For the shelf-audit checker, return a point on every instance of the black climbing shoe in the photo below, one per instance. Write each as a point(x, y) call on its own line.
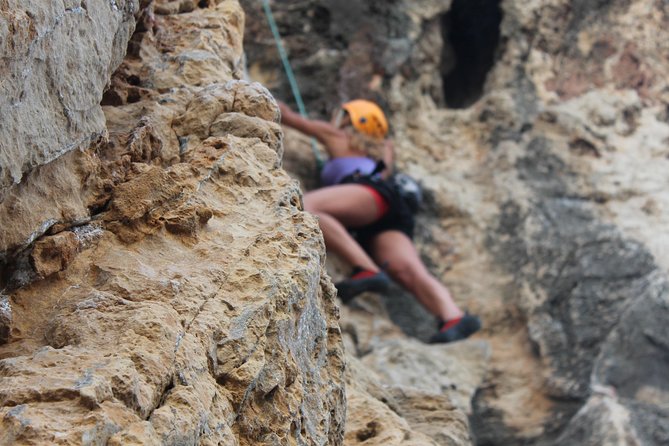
point(466, 327)
point(361, 281)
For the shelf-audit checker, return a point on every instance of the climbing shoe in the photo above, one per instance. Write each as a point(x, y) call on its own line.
point(458, 329)
point(360, 281)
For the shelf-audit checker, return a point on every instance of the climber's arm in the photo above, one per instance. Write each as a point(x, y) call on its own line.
point(326, 133)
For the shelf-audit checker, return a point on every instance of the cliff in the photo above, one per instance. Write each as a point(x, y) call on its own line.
point(175, 292)
point(539, 131)
point(161, 283)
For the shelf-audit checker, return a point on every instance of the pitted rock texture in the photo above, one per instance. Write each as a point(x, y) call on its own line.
point(189, 304)
point(401, 391)
point(546, 197)
point(58, 57)
point(163, 286)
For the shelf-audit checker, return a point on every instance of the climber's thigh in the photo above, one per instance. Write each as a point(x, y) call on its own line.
point(352, 204)
point(395, 250)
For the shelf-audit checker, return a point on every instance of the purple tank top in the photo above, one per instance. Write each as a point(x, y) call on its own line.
point(337, 169)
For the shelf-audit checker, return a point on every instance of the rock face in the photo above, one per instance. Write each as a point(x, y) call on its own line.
point(185, 300)
point(401, 391)
point(549, 177)
point(160, 283)
point(58, 58)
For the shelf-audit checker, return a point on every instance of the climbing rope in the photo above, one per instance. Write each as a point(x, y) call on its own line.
point(291, 77)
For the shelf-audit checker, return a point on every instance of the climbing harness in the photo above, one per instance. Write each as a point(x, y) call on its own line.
point(291, 77)
point(409, 189)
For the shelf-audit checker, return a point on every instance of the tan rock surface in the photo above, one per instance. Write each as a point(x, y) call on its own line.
point(434, 415)
point(192, 306)
point(546, 195)
point(70, 47)
point(162, 285)
point(381, 412)
point(400, 391)
point(455, 370)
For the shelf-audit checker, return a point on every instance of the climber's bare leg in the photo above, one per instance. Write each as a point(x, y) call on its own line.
point(339, 207)
point(406, 267)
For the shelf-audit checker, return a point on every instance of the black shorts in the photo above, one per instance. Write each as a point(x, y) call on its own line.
point(399, 216)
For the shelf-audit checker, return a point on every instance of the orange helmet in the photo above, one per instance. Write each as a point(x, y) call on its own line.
point(367, 118)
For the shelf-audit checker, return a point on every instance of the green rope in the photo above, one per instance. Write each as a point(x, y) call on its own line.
point(291, 77)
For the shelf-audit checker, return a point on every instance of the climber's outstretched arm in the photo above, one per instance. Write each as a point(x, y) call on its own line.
point(326, 133)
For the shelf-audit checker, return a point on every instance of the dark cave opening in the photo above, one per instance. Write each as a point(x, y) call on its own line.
point(470, 31)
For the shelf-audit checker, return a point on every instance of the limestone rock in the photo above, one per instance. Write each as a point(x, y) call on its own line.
point(55, 253)
point(196, 46)
point(28, 210)
point(367, 325)
point(188, 303)
point(384, 412)
point(206, 113)
point(161, 285)
point(546, 197)
point(71, 46)
point(455, 370)
point(400, 390)
point(434, 415)
point(371, 422)
point(602, 420)
point(59, 58)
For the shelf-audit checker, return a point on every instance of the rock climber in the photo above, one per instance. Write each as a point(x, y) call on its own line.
point(366, 219)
